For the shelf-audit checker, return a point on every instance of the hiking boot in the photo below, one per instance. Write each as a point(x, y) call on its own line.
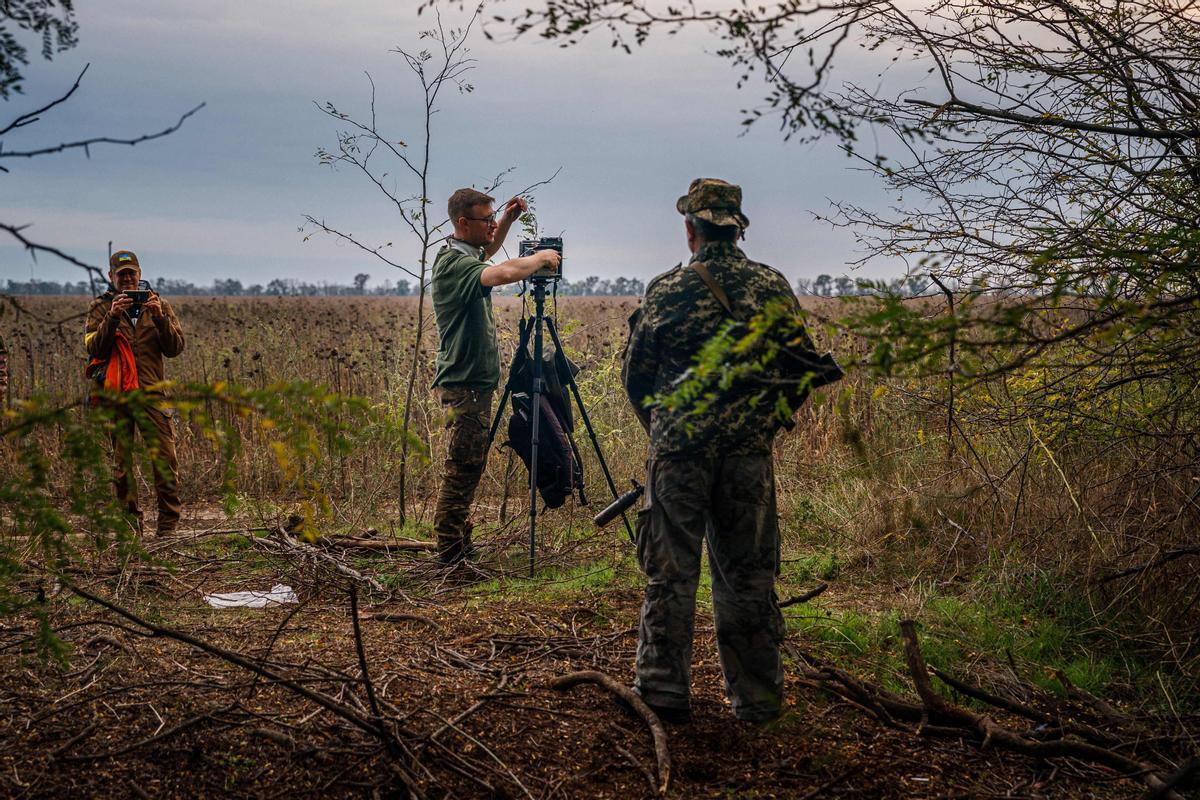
point(672, 714)
point(451, 552)
point(457, 553)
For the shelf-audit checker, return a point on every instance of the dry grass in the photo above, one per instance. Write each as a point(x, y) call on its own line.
point(991, 544)
point(866, 479)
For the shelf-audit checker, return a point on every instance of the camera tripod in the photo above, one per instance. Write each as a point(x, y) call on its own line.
point(533, 329)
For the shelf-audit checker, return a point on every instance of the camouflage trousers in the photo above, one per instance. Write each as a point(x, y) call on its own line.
point(730, 502)
point(468, 415)
point(157, 436)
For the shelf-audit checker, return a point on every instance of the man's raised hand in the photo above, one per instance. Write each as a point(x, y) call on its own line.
point(550, 258)
point(513, 209)
point(120, 305)
point(154, 306)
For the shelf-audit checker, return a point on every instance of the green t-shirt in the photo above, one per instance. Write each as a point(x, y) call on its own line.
point(467, 355)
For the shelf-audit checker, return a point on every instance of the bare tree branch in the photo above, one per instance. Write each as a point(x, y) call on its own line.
point(86, 144)
point(34, 248)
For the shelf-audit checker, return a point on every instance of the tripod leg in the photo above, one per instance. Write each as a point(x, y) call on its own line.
point(535, 409)
point(587, 422)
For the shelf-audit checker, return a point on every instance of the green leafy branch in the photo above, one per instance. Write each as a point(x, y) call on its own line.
point(760, 360)
point(56, 496)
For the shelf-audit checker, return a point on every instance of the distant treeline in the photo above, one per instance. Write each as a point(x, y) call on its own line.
point(173, 287)
point(592, 286)
point(289, 287)
point(843, 286)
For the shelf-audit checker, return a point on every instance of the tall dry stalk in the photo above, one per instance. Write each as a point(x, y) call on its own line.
point(445, 64)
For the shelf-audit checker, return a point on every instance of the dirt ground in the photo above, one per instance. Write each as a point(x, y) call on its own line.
point(459, 666)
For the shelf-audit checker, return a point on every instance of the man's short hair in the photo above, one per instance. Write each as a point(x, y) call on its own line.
point(462, 201)
point(713, 233)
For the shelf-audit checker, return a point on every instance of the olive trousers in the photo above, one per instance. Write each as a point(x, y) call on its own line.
point(468, 415)
point(729, 502)
point(158, 437)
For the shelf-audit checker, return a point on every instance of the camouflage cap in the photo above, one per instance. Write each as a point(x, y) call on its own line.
point(715, 201)
point(123, 260)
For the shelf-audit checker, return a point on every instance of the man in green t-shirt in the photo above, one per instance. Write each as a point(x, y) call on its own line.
point(468, 362)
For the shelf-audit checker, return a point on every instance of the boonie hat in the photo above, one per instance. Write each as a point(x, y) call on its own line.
point(123, 260)
point(715, 201)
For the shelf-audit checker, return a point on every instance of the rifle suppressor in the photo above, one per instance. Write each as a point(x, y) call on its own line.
point(619, 506)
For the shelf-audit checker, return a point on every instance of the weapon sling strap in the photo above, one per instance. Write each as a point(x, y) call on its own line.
point(715, 288)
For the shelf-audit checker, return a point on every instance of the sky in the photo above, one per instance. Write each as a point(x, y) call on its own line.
point(225, 196)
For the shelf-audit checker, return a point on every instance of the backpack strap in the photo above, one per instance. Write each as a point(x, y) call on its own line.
point(715, 288)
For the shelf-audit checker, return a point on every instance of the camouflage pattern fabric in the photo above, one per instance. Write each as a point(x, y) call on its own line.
point(159, 439)
point(714, 200)
point(679, 315)
point(730, 502)
point(468, 415)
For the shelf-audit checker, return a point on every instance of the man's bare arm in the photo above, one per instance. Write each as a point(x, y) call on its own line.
point(518, 269)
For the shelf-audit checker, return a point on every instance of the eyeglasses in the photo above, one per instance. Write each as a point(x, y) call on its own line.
point(490, 219)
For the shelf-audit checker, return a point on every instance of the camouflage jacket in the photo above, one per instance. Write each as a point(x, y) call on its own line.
point(679, 315)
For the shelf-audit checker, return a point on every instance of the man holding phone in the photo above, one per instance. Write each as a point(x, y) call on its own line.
point(129, 332)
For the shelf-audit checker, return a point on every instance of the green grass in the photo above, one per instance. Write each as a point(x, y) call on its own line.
point(840, 632)
point(557, 585)
point(983, 624)
point(809, 567)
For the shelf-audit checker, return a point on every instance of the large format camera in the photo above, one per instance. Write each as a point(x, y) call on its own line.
point(531, 246)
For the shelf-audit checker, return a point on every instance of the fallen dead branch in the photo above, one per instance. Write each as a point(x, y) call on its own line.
point(362, 658)
point(934, 706)
point(1181, 778)
point(390, 616)
point(283, 542)
point(1104, 709)
point(1055, 723)
point(112, 641)
point(188, 723)
point(632, 759)
point(661, 753)
point(934, 715)
point(1165, 558)
point(200, 533)
point(496, 691)
point(374, 727)
point(74, 740)
point(378, 545)
point(816, 591)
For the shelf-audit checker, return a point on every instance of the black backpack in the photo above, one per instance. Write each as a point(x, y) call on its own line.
point(558, 467)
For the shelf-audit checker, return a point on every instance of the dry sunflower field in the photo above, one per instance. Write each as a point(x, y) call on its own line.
point(391, 677)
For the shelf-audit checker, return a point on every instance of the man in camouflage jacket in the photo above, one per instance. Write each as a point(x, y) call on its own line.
point(151, 333)
point(711, 475)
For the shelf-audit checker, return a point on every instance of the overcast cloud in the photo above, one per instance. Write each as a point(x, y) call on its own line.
point(225, 195)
